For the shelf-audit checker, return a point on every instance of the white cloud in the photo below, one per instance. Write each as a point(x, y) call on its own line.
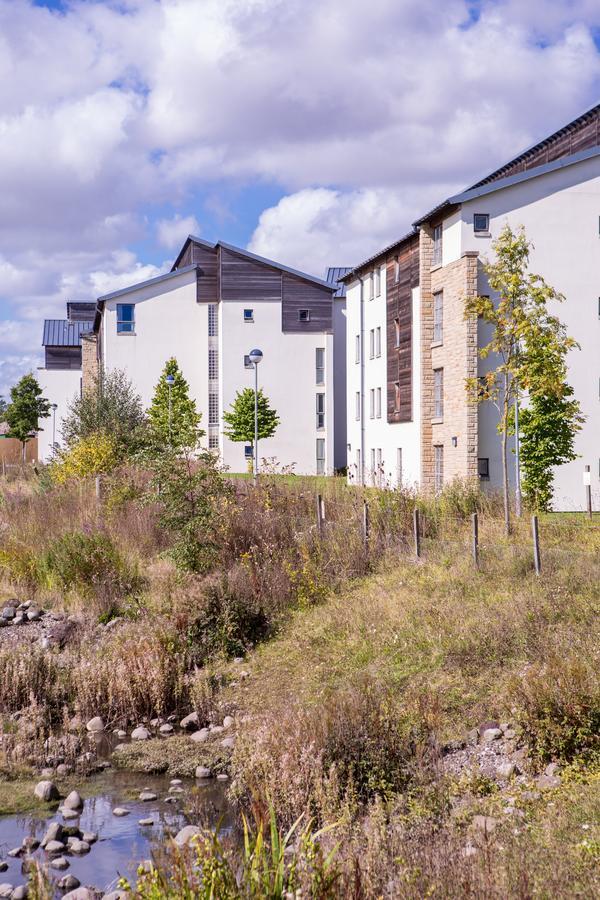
point(171, 233)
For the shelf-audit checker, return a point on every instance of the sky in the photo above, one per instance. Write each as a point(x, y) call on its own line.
point(309, 131)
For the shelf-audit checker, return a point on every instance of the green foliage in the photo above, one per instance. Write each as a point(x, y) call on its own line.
point(3, 408)
point(111, 406)
point(26, 408)
point(226, 625)
point(529, 343)
point(96, 454)
point(184, 428)
point(240, 418)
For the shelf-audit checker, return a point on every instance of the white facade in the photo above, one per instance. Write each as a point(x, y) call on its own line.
point(59, 386)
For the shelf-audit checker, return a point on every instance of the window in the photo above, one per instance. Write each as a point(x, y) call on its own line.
point(358, 467)
point(370, 286)
point(436, 259)
point(213, 441)
point(125, 318)
point(438, 316)
point(481, 222)
point(378, 341)
point(357, 405)
point(396, 396)
point(399, 466)
point(304, 315)
point(373, 465)
point(213, 409)
point(320, 365)
point(483, 467)
point(248, 315)
point(213, 364)
point(371, 343)
point(357, 349)
point(320, 410)
point(248, 451)
point(378, 403)
point(372, 403)
point(396, 332)
point(396, 270)
point(212, 320)
point(320, 456)
point(379, 465)
point(248, 362)
point(438, 468)
point(438, 393)
point(378, 282)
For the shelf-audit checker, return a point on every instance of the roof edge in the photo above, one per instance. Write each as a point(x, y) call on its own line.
point(156, 280)
point(379, 255)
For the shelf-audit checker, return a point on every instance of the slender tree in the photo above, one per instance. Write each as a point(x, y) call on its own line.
point(26, 408)
point(240, 418)
point(3, 408)
point(526, 339)
point(110, 406)
point(174, 422)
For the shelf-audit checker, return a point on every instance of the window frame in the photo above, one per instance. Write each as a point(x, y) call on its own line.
point(249, 318)
point(486, 228)
point(378, 403)
point(483, 467)
point(357, 405)
point(248, 364)
point(397, 398)
point(371, 403)
point(397, 333)
point(121, 322)
point(437, 250)
point(378, 281)
point(372, 343)
point(304, 314)
point(438, 317)
point(320, 410)
point(357, 350)
point(438, 393)
point(378, 341)
point(320, 367)
point(320, 459)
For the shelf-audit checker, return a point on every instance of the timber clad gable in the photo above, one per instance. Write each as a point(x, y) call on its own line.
point(399, 310)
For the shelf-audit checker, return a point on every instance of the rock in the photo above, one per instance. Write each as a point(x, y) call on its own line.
point(547, 782)
point(54, 847)
point(120, 811)
point(63, 769)
point(183, 837)
point(222, 777)
point(80, 893)
point(216, 729)
point(8, 613)
point(31, 844)
point(176, 781)
point(190, 722)
point(90, 837)
point(6, 889)
point(60, 863)
point(148, 796)
point(69, 813)
point(175, 789)
point(203, 772)
point(551, 769)
point(484, 823)
point(73, 801)
point(3, 866)
point(47, 772)
point(20, 893)
point(472, 736)
point(16, 851)
point(227, 722)
point(121, 734)
point(228, 743)
point(34, 614)
point(54, 832)
point(19, 619)
point(200, 736)
point(171, 799)
point(79, 848)
point(95, 724)
point(116, 895)
point(166, 729)
point(505, 770)
point(510, 734)
point(140, 734)
point(46, 791)
point(146, 822)
point(491, 734)
point(486, 725)
point(68, 883)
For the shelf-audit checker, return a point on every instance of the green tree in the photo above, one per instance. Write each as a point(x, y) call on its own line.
point(180, 429)
point(110, 406)
point(26, 408)
point(3, 408)
point(527, 342)
point(240, 418)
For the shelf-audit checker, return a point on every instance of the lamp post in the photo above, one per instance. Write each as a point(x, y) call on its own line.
point(53, 407)
point(170, 379)
point(255, 357)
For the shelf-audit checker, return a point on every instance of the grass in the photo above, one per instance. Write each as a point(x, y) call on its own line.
point(178, 756)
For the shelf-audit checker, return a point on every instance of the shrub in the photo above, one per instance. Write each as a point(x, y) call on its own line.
point(95, 454)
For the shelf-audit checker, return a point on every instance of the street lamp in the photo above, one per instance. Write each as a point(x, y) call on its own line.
point(170, 379)
point(53, 407)
point(255, 357)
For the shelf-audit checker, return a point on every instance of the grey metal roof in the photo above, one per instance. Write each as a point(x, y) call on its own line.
point(379, 255)
point(135, 287)
point(62, 333)
point(334, 273)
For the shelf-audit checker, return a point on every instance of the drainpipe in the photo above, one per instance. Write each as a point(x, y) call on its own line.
point(361, 474)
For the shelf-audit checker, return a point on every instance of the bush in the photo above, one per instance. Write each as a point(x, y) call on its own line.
point(93, 455)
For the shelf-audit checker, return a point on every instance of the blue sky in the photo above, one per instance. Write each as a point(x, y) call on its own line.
point(311, 131)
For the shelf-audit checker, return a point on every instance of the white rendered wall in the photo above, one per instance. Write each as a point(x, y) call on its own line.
point(560, 212)
point(59, 386)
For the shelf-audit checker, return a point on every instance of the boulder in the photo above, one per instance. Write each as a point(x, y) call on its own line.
point(34, 614)
point(3, 866)
point(183, 837)
point(222, 777)
point(547, 782)
point(79, 848)
point(505, 770)
point(6, 889)
point(140, 734)
point(166, 728)
point(120, 811)
point(491, 734)
point(80, 893)
point(63, 769)
point(54, 832)
point(228, 743)
point(69, 813)
point(203, 772)
point(95, 724)
point(90, 837)
point(190, 723)
point(227, 721)
point(54, 847)
point(60, 862)
point(146, 822)
point(8, 613)
point(200, 736)
point(46, 791)
point(68, 883)
point(116, 895)
point(73, 801)
point(147, 796)
point(20, 893)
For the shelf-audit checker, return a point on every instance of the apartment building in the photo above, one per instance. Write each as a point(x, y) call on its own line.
point(216, 304)
point(428, 433)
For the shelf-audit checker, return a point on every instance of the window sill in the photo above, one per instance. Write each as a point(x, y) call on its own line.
point(436, 267)
point(126, 334)
point(437, 344)
point(482, 234)
point(437, 420)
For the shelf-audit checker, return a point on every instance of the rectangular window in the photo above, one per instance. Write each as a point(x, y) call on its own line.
point(320, 365)
point(396, 332)
point(320, 456)
point(397, 396)
point(248, 451)
point(247, 362)
point(213, 409)
point(320, 410)
point(248, 315)
point(379, 466)
point(378, 403)
point(438, 468)
point(358, 467)
point(213, 363)
point(438, 316)
point(378, 281)
point(483, 467)
point(370, 286)
point(438, 393)
point(212, 320)
point(304, 315)
point(372, 403)
point(357, 349)
point(378, 341)
point(125, 318)
point(436, 259)
point(481, 222)
point(396, 270)
point(372, 343)
point(399, 467)
point(373, 464)
point(213, 441)
point(357, 405)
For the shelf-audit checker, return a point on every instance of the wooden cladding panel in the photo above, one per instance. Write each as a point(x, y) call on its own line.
point(399, 307)
point(206, 276)
point(246, 280)
point(299, 294)
point(63, 357)
point(186, 258)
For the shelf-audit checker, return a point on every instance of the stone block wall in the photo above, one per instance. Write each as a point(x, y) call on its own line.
point(90, 363)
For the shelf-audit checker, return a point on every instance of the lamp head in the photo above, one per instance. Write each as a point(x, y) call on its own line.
point(170, 379)
point(255, 356)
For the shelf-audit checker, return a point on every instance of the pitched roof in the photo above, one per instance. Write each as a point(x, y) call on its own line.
point(140, 284)
point(62, 333)
point(334, 273)
point(381, 254)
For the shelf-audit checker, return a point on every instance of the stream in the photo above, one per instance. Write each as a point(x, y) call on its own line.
point(122, 842)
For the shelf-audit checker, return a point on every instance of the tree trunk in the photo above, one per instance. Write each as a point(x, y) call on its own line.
point(23, 452)
point(507, 528)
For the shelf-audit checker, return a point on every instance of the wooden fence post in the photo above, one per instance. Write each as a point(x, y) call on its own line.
point(319, 515)
point(588, 491)
point(366, 525)
point(417, 532)
point(475, 524)
point(536, 545)
point(98, 487)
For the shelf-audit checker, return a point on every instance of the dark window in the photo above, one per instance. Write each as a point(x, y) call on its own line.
point(320, 410)
point(436, 259)
point(247, 362)
point(483, 467)
point(320, 365)
point(304, 315)
point(248, 315)
point(125, 318)
point(248, 451)
point(481, 222)
point(396, 396)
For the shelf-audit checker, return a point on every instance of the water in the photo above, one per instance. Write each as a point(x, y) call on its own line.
point(122, 842)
